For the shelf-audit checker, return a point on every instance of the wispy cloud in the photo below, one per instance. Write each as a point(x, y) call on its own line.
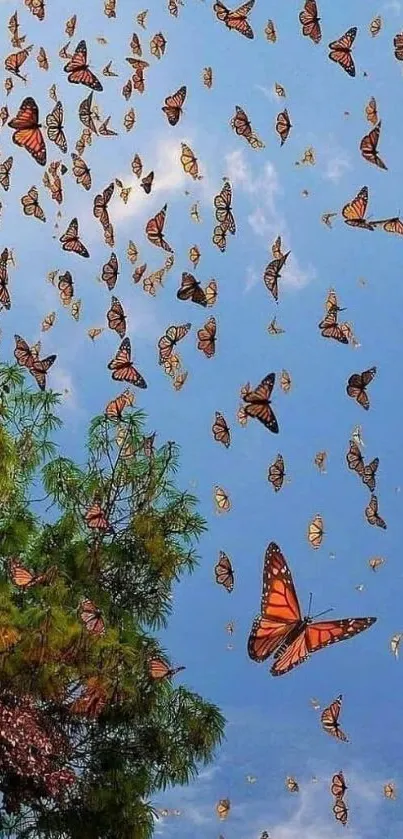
point(337, 165)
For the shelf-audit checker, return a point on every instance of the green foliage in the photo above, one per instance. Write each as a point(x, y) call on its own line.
point(129, 735)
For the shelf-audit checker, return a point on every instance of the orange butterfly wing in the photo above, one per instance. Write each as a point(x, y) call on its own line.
point(279, 611)
point(315, 637)
point(27, 132)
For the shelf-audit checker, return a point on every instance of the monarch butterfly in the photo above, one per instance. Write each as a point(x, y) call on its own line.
point(330, 720)
point(95, 332)
point(283, 125)
point(70, 26)
point(279, 89)
point(371, 514)
point(219, 237)
point(340, 810)
point(326, 218)
point(272, 274)
point(13, 26)
point(127, 89)
point(137, 166)
point(206, 337)
point(92, 618)
point(153, 281)
point(26, 357)
point(107, 71)
point(223, 210)
point(154, 230)
point(105, 131)
point(95, 517)
point(276, 248)
point(110, 271)
point(224, 573)
point(310, 21)
point(395, 642)
point(27, 132)
point(369, 145)
point(389, 790)
point(340, 51)
point(220, 430)
point(78, 69)
point(376, 562)
point(355, 461)
point(158, 669)
point(308, 157)
point(180, 380)
point(100, 206)
point(5, 301)
point(240, 123)
point(36, 7)
point(30, 204)
point(371, 112)
point(222, 500)
point(23, 578)
point(281, 629)
point(157, 45)
point(66, 288)
point(116, 317)
point(141, 18)
point(48, 321)
point(320, 461)
point(173, 105)
point(211, 293)
point(42, 59)
point(208, 77)
point(258, 403)
point(147, 182)
point(315, 532)
point(114, 409)
point(338, 785)
point(276, 473)
point(122, 367)
point(329, 326)
point(398, 45)
point(191, 289)
point(223, 807)
point(357, 384)
point(291, 784)
point(390, 225)
point(375, 26)
point(138, 273)
point(189, 162)
point(14, 61)
point(354, 212)
point(132, 252)
point(194, 255)
point(75, 309)
point(285, 381)
point(71, 241)
point(270, 32)
point(5, 169)
point(86, 113)
point(172, 336)
point(237, 18)
point(274, 329)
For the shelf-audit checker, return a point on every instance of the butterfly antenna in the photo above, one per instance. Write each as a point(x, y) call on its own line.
point(310, 604)
point(323, 613)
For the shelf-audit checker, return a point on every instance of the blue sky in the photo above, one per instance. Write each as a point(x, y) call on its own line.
point(272, 729)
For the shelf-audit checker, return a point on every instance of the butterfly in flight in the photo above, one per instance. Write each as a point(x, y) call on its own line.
point(354, 212)
point(237, 18)
point(28, 134)
point(258, 402)
point(310, 21)
point(369, 147)
point(330, 720)
point(357, 385)
point(340, 51)
point(79, 71)
point(281, 629)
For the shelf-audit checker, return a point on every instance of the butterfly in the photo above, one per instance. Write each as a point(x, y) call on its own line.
point(147, 182)
point(354, 212)
point(71, 242)
point(398, 45)
point(272, 274)
point(66, 288)
point(173, 105)
point(42, 59)
point(122, 367)
point(27, 132)
point(81, 172)
point(191, 289)
point(13, 26)
point(30, 204)
point(223, 807)
point(357, 384)
point(105, 131)
point(240, 123)
point(172, 336)
point(100, 206)
point(389, 791)
point(23, 578)
point(236, 18)
point(5, 169)
point(48, 321)
point(276, 473)
point(326, 218)
point(14, 61)
point(371, 514)
point(114, 409)
point(258, 403)
point(54, 123)
point(375, 26)
point(25, 357)
point(315, 532)
point(92, 618)
point(283, 125)
point(369, 145)
point(206, 336)
point(116, 317)
point(37, 7)
point(87, 112)
point(189, 162)
point(223, 209)
point(155, 228)
point(224, 572)
point(340, 810)
point(338, 785)
point(285, 381)
point(270, 32)
point(395, 642)
point(371, 112)
point(158, 669)
point(291, 784)
point(141, 18)
point(281, 629)
point(330, 720)
point(222, 500)
point(157, 45)
point(355, 461)
point(390, 225)
point(220, 430)
point(70, 26)
point(78, 69)
point(274, 329)
point(340, 51)
point(329, 326)
point(208, 77)
point(310, 21)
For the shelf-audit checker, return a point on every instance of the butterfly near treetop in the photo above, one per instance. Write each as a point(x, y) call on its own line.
point(5, 301)
point(122, 367)
point(71, 242)
point(357, 384)
point(154, 230)
point(354, 212)
point(78, 69)
point(92, 618)
point(281, 629)
point(220, 429)
point(258, 402)
point(236, 18)
point(224, 573)
point(372, 516)
point(355, 462)
point(330, 720)
point(23, 578)
point(173, 105)
point(27, 132)
point(25, 357)
point(158, 669)
point(172, 336)
point(114, 409)
point(369, 146)
point(340, 51)
point(310, 21)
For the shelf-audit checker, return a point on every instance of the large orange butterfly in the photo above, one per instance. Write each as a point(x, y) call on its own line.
point(354, 212)
point(236, 19)
point(310, 21)
point(38, 367)
point(122, 367)
point(78, 70)
point(71, 241)
point(258, 402)
point(155, 229)
point(340, 51)
point(281, 629)
point(14, 61)
point(28, 134)
point(173, 105)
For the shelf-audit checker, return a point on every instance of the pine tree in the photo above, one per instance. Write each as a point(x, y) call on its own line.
point(89, 732)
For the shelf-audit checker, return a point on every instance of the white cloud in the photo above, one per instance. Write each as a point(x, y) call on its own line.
point(336, 167)
point(61, 381)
